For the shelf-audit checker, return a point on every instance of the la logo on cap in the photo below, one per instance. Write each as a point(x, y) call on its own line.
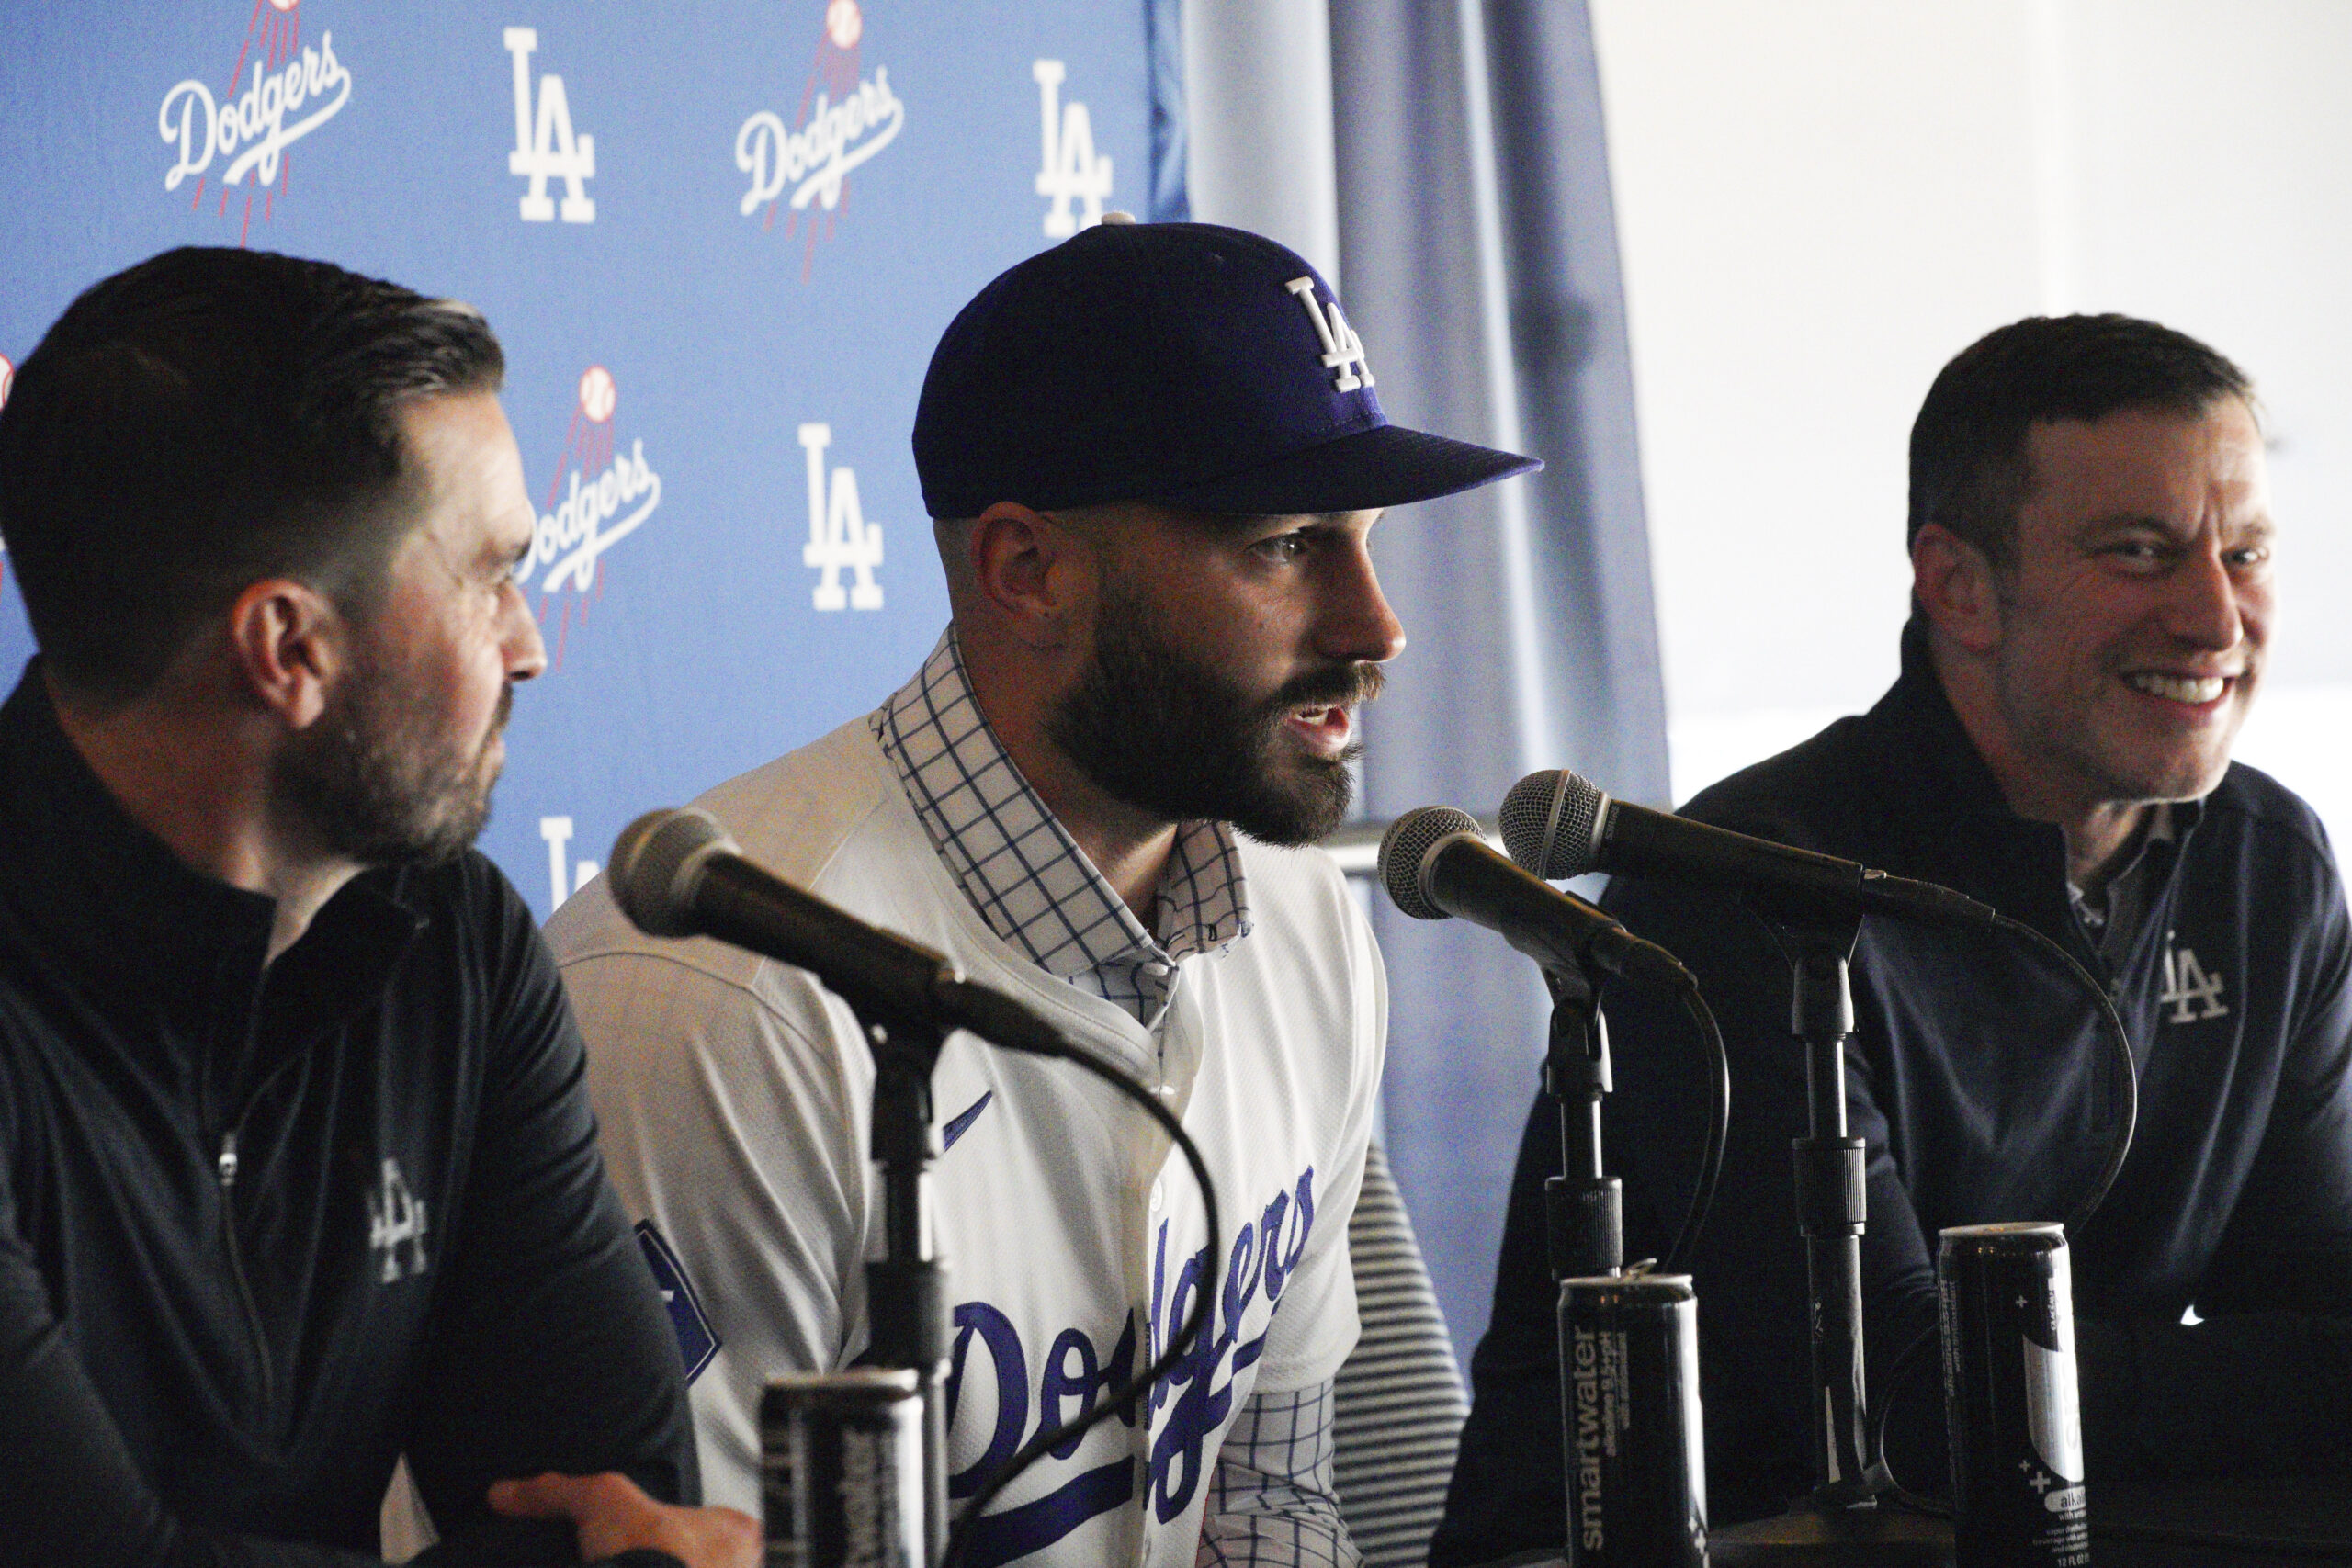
point(1342, 347)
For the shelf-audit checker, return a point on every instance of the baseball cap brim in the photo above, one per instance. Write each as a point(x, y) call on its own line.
point(1386, 466)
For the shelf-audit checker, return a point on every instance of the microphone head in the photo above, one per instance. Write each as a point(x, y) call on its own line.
point(1406, 844)
point(1548, 822)
point(652, 866)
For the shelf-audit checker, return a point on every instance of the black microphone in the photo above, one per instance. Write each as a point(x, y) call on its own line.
point(1559, 826)
point(1435, 863)
point(678, 874)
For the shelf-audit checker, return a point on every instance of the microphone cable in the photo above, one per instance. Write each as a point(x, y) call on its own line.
point(1711, 1159)
point(1136, 1391)
point(2119, 1148)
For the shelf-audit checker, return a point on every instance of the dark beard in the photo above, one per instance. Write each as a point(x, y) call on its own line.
point(1157, 730)
point(379, 785)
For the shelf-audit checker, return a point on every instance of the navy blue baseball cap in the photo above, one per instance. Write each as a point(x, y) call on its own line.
point(1185, 363)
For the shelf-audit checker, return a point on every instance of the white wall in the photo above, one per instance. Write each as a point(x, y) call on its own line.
point(1820, 201)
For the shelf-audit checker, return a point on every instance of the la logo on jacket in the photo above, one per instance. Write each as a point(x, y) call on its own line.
point(2191, 990)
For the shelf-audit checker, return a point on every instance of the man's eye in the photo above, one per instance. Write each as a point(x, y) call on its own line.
point(1282, 547)
point(2250, 556)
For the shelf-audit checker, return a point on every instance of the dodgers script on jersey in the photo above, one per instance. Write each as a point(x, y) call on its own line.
point(735, 1098)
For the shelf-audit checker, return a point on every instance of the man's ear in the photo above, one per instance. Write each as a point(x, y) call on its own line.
point(1037, 576)
point(292, 647)
point(1954, 584)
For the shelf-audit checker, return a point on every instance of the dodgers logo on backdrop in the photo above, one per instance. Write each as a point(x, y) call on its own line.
point(840, 538)
point(1342, 347)
point(844, 119)
point(609, 497)
point(565, 876)
point(1069, 169)
point(545, 147)
point(293, 89)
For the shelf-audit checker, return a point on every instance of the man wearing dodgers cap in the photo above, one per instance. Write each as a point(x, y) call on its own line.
point(1154, 456)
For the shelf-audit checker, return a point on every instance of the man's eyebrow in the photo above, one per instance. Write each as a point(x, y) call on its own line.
point(498, 552)
point(2126, 521)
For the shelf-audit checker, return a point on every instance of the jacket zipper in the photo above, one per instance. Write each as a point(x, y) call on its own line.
point(228, 1169)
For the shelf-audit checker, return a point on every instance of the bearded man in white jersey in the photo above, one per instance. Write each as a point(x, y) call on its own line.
point(1154, 459)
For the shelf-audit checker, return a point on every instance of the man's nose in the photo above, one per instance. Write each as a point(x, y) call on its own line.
point(1357, 625)
point(526, 654)
point(2202, 607)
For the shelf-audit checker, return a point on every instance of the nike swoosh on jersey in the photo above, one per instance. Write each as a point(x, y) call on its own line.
point(963, 1120)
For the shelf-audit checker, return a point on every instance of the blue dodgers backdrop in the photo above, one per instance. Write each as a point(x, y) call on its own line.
point(718, 242)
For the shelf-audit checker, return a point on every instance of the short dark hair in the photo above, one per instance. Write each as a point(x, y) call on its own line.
point(205, 420)
point(1969, 470)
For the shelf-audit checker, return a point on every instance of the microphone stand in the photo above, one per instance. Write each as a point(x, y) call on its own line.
point(906, 1289)
point(1583, 1209)
point(1840, 1521)
point(1584, 1212)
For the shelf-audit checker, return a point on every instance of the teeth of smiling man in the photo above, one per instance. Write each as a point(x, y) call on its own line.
point(2190, 689)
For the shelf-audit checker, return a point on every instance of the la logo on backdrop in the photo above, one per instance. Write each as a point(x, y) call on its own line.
point(291, 91)
point(844, 119)
point(598, 497)
point(1069, 168)
point(545, 146)
point(840, 538)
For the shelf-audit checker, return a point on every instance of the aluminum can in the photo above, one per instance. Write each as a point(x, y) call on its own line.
point(1629, 1393)
point(841, 1470)
point(2006, 1299)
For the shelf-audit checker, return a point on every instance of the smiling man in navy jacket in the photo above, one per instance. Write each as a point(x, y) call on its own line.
point(2091, 550)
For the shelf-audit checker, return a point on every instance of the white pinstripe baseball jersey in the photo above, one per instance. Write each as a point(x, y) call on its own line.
point(734, 1098)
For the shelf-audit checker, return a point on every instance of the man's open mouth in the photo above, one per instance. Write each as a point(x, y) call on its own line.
point(1324, 726)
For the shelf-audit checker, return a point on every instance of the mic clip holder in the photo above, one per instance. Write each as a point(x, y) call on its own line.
point(1584, 1211)
point(906, 1288)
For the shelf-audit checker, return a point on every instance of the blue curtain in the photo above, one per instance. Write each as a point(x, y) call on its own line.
point(1468, 1019)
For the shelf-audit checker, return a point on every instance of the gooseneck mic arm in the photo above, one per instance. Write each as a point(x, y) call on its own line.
point(1558, 825)
point(678, 874)
point(1435, 864)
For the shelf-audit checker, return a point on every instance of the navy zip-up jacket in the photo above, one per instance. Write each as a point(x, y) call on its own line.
point(265, 1229)
point(1979, 1077)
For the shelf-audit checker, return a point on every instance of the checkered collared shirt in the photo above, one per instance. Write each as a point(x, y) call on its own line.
point(1026, 874)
